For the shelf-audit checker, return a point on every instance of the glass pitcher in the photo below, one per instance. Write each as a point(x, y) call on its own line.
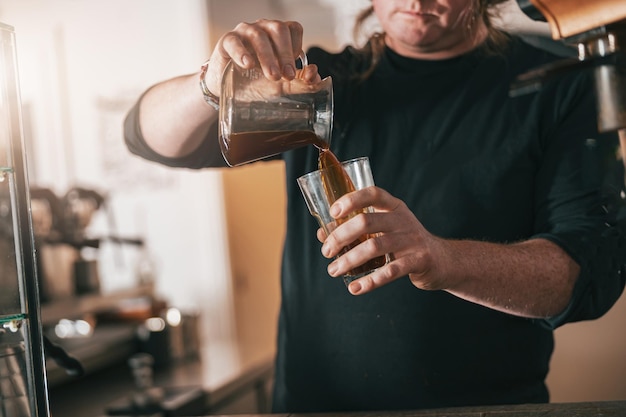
point(259, 118)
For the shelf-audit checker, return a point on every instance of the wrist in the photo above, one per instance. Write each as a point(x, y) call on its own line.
point(210, 98)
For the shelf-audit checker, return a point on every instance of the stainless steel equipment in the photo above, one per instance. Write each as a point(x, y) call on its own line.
point(598, 29)
point(151, 400)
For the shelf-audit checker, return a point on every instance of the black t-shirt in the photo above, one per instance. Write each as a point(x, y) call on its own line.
point(471, 163)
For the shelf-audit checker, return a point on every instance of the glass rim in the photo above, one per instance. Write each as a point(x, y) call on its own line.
point(343, 163)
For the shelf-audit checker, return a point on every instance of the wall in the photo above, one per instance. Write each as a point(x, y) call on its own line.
point(82, 65)
point(317, 17)
point(255, 201)
point(588, 363)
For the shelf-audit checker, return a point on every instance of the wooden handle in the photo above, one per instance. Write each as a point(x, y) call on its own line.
point(572, 17)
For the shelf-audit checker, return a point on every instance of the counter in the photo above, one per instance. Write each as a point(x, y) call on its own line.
point(587, 409)
point(234, 387)
point(234, 381)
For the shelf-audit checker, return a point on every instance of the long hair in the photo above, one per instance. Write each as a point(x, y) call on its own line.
point(481, 9)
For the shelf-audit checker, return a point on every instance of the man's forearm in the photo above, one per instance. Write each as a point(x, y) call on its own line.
point(534, 278)
point(174, 118)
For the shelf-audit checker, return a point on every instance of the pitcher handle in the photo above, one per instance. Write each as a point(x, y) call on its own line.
point(305, 61)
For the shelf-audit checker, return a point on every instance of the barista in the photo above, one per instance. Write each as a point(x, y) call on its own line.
point(492, 207)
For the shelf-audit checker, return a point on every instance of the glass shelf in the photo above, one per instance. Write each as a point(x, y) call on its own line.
point(12, 322)
point(12, 317)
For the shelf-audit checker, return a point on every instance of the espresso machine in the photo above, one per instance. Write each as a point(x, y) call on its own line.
point(59, 228)
point(598, 29)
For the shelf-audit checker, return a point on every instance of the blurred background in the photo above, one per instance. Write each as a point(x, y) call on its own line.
point(206, 243)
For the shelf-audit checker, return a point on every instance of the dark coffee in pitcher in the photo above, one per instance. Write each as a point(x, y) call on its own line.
point(250, 146)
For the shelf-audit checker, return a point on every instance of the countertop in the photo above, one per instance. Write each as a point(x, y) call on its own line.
point(222, 370)
point(225, 368)
point(583, 409)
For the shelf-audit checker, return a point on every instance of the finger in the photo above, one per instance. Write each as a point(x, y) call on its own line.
point(372, 196)
point(369, 282)
point(229, 47)
point(310, 74)
point(360, 253)
point(363, 224)
point(321, 235)
point(380, 277)
point(296, 32)
point(342, 236)
point(256, 40)
point(282, 62)
point(232, 46)
point(287, 40)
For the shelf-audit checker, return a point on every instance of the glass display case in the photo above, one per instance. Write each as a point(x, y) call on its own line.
point(23, 387)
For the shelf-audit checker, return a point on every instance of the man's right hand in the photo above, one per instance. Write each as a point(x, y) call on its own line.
point(271, 44)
